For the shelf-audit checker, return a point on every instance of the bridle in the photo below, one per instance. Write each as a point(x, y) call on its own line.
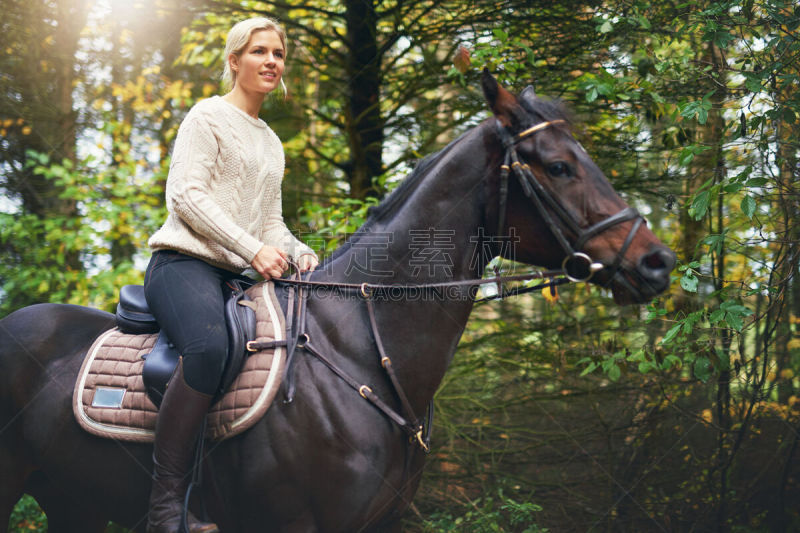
point(577, 265)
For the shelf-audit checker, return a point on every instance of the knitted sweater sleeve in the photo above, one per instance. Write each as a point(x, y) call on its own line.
point(276, 232)
point(188, 189)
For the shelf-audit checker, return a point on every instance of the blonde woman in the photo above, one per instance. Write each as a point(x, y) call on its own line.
point(224, 202)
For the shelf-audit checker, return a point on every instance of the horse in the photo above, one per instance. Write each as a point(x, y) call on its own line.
point(517, 185)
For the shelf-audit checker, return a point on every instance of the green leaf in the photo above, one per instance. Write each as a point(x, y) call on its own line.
point(699, 205)
point(753, 83)
point(690, 321)
point(732, 306)
point(589, 369)
point(716, 316)
point(672, 333)
point(670, 361)
point(715, 242)
point(748, 206)
point(734, 321)
point(689, 282)
point(756, 182)
point(637, 356)
point(703, 368)
point(500, 34)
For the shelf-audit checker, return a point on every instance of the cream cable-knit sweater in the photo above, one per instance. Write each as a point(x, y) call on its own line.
point(224, 189)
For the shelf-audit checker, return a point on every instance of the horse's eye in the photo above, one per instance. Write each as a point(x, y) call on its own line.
point(559, 169)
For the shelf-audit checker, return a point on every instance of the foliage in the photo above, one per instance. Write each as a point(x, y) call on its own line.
point(728, 203)
point(114, 205)
point(27, 517)
point(678, 415)
point(340, 219)
point(487, 515)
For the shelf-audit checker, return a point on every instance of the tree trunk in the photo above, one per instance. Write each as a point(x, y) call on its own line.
point(364, 120)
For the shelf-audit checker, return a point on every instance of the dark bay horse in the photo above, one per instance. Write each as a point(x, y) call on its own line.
point(329, 460)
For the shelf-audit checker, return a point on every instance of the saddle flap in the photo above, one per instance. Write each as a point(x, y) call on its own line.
point(240, 318)
point(159, 365)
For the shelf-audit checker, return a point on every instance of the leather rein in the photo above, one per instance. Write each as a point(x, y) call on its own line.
point(577, 266)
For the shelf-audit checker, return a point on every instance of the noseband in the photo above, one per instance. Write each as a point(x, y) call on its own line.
point(577, 265)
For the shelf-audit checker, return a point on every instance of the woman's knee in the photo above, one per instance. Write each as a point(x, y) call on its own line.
point(204, 360)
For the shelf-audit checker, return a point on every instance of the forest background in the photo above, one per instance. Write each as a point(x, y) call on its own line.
point(566, 414)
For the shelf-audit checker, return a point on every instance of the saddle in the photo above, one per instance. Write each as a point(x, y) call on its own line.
point(133, 316)
point(110, 398)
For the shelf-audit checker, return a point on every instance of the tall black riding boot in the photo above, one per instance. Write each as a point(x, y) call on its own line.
point(180, 418)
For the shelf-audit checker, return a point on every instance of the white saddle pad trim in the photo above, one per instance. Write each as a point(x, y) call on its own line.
point(276, 370)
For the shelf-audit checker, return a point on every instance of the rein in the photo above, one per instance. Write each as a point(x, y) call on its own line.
point(367, 289)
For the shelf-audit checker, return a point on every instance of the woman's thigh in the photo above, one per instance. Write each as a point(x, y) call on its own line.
point(185, 295)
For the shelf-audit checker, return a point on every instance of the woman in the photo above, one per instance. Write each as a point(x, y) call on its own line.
point(224, 202)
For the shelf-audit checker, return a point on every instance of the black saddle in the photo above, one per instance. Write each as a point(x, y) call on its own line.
point(133, 316)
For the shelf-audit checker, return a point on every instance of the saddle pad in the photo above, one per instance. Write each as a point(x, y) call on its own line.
point(110, 401)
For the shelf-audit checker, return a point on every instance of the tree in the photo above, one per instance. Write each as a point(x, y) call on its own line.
point(84, 177)
point(39, 41)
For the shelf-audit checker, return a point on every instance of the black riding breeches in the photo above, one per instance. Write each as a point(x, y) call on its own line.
point(186, 297)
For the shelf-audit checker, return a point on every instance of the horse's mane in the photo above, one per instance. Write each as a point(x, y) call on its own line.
point(545, 110)
point(396, 198)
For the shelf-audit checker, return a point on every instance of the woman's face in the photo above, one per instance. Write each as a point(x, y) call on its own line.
point(260, 67)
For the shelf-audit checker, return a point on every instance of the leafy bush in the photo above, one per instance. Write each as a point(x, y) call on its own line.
point(488, 515)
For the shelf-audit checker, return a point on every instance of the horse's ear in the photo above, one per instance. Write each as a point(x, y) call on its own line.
point(528, 93)
point(500, 100)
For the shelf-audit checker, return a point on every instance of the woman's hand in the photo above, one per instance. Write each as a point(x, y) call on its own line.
point(270, 262)
point(307, 262)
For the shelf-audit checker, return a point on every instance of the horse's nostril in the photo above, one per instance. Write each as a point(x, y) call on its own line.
point(654, 261)
point(658, 263)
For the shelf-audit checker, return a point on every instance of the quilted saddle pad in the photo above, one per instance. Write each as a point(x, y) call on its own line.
point(110, 401)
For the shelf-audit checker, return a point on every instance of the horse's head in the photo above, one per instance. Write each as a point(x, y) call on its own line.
point(561, 209)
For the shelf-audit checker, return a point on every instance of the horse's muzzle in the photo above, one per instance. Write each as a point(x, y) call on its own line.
point(655, 266)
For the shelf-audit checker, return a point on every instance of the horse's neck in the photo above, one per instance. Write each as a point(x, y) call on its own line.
point(432, 236)
point(434, 232)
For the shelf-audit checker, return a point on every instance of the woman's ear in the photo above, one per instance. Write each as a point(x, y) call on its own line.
point(233, 62)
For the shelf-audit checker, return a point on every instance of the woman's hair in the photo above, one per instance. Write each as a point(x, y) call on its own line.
point(238, 38)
